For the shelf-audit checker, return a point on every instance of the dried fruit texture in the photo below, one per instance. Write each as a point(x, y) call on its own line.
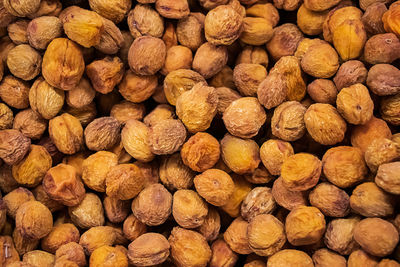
point(41, 196)
point(264, 10)
point(188, 248)
point(381, 150)
point(224, 78)
point(134, 138)
point(210, 59)
point(14, 92)
point(355, 104)
point(13, 146)
point(116, 210)
point(256, 31)
point(266, 235)
point(179, 81)
point(383, 79)
point(382, 48)
point(253, 55)
point(288, 5)
point(325, 258)
point(215, 186)
point(21, 8)
point(242, 188)
point(190, 31)
point(82, 26)
point(390, 109)
point(144, 20)
point(244, 117)
point(14, 199)
point(258, 201)
point(124, 181)
point(47, 8)
point(200, 152)
point(97, 237)
point(370, 201)
point(189, 209)
point(324, 124)
point(60, 235)
point(39, 258)
point(336, 17)
point(6, 117)
point(42, 30)
point(88, 213)
point(166, 137)
point(330, 200)
point(133, 228)
point(147, 55)
point(390, 19)
point(322, 91)
point(95, 169)
point(320, 61)
point(211, 225)
point(63, 184)
point(31, 170)
point(310, 22)
point(318, 5)
point(30, 124)
point(111, 39)
point(7, 182)
point(301, 172)
point(381, 241)
point(112, 10)
point(248, 76)
point(174, 174)
point(149, 249)
point(344, 166)
point(372, 18)
point(236, 236)
point(102, 133)
point(24, 244)
point(304, 226)
point(66, 132)
point(388, 263)
point(63, 64)
point(339, 235)
point(153, 205)
point(289, 67)
point(223, 25)
point(349, 39)
point(349, 73)
point(137, 88)
point(108, 256)
point(13, 253)
point(45, 99)
point(24, 62)
point(285, 40)
point(290, 258)
point(273, 153)
point(225, 97)
point(386, 177)
point(33, 220)
point(173, 9)
point(126, 110)
point(222, 255)
point(196, 108)
point(81, 96)
point(17, 31)
point(105, 74)
point(363, 135)
point(242, 156)
point(273, 90)
point(287, 123)
point(178, 57)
